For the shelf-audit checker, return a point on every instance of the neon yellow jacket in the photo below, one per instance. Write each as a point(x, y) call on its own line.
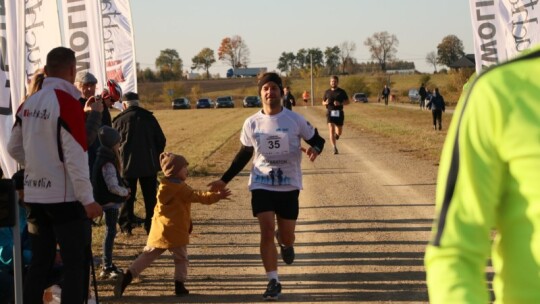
point(488, 191)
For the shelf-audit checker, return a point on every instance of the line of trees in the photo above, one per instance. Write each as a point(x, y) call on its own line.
point(338, 59)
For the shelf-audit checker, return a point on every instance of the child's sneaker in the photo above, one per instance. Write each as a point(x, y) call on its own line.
point(180, 289)
point(110, 272)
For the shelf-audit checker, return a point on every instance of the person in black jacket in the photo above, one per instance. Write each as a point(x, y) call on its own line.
point(423, 94)
point(288, 98)
point(436, 104)
point(141, 143)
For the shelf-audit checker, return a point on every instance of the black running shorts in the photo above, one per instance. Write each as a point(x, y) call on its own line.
point(338, 121)
point(284, 204)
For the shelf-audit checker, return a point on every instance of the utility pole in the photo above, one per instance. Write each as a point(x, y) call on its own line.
point(311, 65)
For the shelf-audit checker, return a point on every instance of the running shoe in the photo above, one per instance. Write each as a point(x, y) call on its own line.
point(337, 136)
point(336, 151)
point(110, 272)
point(273, 290)
point(287, 253)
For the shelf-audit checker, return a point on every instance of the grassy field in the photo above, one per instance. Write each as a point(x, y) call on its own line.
point(156, 95)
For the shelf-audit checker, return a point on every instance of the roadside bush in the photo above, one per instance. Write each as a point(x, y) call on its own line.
point(354, 84)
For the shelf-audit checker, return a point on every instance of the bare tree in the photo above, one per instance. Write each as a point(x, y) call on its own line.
point(347, 49)
point(383, 47)
point(431, 58)
point(234, 51)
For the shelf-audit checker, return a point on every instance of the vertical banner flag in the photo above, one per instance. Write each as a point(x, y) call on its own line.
point(12, 75)
point(30, 30)
point(503, 28)
point(119, 44)
point(82, 33)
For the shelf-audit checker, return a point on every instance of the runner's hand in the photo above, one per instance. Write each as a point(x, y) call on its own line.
point(311, 153)
point(224, 193)
point(217, 185)
point(93, 210)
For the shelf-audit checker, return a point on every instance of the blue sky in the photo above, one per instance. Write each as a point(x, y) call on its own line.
point(272, 27)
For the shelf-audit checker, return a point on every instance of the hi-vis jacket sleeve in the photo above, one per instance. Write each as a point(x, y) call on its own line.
point(468, 191)
point(488, 192)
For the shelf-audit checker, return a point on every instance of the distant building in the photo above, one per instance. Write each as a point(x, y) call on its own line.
point(245, 72)
point(466, 61)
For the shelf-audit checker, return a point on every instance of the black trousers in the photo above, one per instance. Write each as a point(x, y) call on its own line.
point(437, 118)
point(67, 225)
point(149, 192)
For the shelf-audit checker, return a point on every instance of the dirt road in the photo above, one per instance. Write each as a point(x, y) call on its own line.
point(364, 223)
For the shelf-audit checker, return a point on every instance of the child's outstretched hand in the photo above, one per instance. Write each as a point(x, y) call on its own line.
point(224, 193)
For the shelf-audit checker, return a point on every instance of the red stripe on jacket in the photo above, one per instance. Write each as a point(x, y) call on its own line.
point(72, 114)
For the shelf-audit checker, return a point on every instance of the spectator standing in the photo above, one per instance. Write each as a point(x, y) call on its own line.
point(274, 136)
point(49, 140)
point(334, 99)
point(109, 191)
point(385, 94)
point(288, 98)
point(305, 97)
point(487, 191)
point(423, 94)
point(141, 142)
point(171, 223)
point(436, 104)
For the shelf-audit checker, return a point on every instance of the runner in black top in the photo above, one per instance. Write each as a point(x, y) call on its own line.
point(334, 99)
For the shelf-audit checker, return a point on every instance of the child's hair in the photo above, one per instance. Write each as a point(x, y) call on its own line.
point(171, 164)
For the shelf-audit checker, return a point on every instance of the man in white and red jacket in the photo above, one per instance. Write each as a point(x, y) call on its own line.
point(49, 140)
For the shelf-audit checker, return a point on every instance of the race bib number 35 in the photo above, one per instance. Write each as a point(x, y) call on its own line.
point(275, 144)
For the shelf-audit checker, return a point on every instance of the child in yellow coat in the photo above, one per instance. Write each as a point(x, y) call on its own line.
point(171, 223)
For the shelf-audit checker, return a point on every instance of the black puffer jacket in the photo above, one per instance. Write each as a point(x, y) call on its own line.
point(142, 140)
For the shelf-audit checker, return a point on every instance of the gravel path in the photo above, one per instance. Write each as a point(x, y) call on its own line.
point(364, 223)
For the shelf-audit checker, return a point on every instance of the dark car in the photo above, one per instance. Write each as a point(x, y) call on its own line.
point(224, 102)
point(251, 102)
point(204, 103)
point(360, 97)
point(181, 103)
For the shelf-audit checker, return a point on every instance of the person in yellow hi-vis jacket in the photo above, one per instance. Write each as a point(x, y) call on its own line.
point(488, 191)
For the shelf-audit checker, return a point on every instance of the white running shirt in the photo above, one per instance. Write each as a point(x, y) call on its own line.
point(276, 140)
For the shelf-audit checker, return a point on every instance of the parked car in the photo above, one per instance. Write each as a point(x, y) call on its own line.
point(251, 102)
point(224, 102)
point(204, 103)
point(181, 103)
point(360, 97)
point(414, 96)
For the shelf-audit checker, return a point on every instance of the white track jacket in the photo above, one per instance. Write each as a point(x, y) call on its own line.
point(49, 140)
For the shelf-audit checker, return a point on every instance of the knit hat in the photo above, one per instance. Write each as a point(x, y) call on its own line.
point(131, 99)
point(171, 164)
point(108, 136)
point(85, 77)
point(273, 77)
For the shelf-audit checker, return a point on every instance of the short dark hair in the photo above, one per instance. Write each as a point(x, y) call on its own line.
point(334, 77)
point(59, 59)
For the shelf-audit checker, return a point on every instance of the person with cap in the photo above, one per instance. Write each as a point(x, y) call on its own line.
point(86, 84)
point(49, 140)
point(334, 98)
point(141, 143)
point(274, 136)
point(171, 223)
point(109, 191)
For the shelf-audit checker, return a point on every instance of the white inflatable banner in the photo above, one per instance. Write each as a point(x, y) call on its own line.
point(503, 28)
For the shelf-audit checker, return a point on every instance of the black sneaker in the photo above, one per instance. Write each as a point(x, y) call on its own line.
point(273, 290)
point(336, 151)
point(337, 136)
point(287, 253)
